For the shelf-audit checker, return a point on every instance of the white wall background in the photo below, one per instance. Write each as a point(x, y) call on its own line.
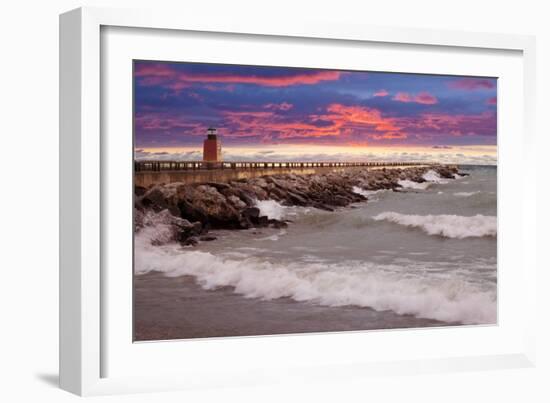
point(29, 200)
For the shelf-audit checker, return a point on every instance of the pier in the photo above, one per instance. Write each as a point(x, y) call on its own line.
point(147, 173)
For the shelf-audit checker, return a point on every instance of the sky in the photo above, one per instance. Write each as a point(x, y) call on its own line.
point(289, 114)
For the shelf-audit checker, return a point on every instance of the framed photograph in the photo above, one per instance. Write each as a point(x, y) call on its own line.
point(237, 197)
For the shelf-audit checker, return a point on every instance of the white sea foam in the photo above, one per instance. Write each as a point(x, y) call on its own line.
point(449, 226)
point(275, 210)
point(466, 194)
point(362, 192)
point(370, 194)
point(408, 184)
point(432, 176)
point(363, 284)
point(271, 209)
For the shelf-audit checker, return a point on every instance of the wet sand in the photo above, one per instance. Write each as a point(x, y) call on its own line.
point(168, 308)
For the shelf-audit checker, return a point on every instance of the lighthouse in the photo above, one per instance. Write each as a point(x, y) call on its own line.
point(212, 148)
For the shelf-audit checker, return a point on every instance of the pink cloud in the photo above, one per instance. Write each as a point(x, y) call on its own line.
point(160, 74)
point(425, 98)
point(483, 124)
point(421, 98)
point(471, 84)
point(492, 101)
point(381, 93)
point(402, 97)
point(275, 81)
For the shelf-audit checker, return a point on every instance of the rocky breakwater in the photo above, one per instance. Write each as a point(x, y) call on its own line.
point(188, 211)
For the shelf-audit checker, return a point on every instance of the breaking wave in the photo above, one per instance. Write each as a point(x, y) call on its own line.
point(449, 226)
point(432, 176)
point(367, 193)
point(408, 184)
point(362, 284)
point(275, 210)
point(271, 209)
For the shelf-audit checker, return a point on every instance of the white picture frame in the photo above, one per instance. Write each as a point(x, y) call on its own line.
point(84, 345)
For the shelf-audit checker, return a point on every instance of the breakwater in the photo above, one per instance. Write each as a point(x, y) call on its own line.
point(148, 173)
point(190, 209)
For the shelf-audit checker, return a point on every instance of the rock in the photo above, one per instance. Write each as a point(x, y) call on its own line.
point(322, 206)
point(188, 211)
point(277, 194)
point(251, 212)
point(296, 199)
point(219, 186)
point(192, 241)
point(190, 230)
point(160, 197)
point(262, 221)
point(277, 223)
point(207, 238)
point(236, 202)
point(139, 190)
point(204, 203)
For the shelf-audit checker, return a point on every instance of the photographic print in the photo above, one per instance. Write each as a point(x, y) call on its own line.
point(277, 200)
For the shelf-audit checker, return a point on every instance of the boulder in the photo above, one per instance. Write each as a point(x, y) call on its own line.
point(204, 203)
point(192, 241)
point(251, 212)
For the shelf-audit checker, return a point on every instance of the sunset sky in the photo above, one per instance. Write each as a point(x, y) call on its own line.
point(281, 113)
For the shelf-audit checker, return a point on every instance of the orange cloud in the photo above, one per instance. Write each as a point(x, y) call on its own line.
point(360, 115)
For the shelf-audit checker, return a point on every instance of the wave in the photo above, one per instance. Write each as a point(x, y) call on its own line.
point(362, 284)
point(275, 210)
point(369, 194)
point(362, 192)
point(449, 226)
point(271, 208)
point(432, 176)
point(408, 184)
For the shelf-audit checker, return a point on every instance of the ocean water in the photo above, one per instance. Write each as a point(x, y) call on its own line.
point(429, 251)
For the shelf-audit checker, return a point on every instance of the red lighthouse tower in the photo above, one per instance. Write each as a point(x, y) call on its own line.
point(212, 149)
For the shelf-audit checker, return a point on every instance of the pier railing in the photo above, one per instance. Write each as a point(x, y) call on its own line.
point(157, 166)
